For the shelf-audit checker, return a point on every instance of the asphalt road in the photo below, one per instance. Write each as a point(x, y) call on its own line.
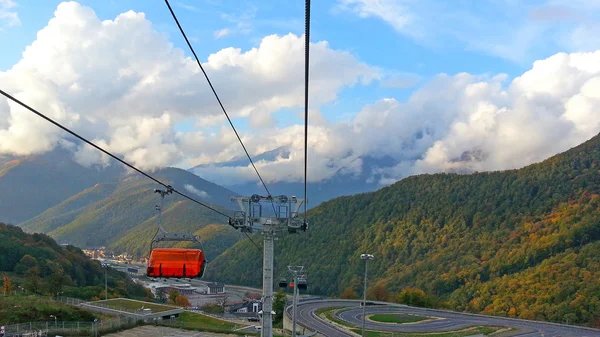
point(448, 321)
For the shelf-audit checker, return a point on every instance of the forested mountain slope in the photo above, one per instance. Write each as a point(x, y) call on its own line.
point(518, 242)
point(41, 266)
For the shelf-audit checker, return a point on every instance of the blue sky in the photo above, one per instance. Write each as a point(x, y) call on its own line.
point(410, 44)
point(446, 40)
point(371, 39)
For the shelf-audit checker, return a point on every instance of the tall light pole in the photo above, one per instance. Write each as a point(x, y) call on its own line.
point(365, 257)
point(105, 265)
point(296, 271)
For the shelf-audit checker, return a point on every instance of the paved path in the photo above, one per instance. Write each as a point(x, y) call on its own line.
point(449, 321)
point(162, 331)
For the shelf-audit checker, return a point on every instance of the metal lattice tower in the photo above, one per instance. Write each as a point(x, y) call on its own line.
point(285, 220)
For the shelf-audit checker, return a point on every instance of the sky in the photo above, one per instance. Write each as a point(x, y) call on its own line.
point(438, 86)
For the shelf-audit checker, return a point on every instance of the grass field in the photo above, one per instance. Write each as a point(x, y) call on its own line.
point(328, 314)
point(396, 318)
point(131, 305)
point(199, 320)
point(485, 330)
point(27, 308)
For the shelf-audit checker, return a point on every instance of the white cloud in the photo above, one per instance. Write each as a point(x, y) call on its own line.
point(222, 33)
point(457, 123)
point(192, 189)
point(123, 84)
point(8, 18)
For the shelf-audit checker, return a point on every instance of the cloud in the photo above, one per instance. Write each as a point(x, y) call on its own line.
point(192, 189)
point(8, 18)
point(400, 81)
point(518, 31)
point(455, 123)
point(222, 33)
point(188, 7)
point(124, 85)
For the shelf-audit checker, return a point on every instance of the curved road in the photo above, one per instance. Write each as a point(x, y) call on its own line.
point(448, 321)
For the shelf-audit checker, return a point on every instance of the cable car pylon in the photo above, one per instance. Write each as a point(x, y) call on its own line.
point(285, 220)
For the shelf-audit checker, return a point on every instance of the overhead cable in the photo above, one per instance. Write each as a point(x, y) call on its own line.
point(306, 67)
point(7, 95)
point(217, 96)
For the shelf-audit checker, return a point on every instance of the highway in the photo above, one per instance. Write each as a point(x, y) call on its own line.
point(447, 321)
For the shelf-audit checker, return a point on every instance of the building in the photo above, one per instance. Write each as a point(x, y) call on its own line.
point(185, 289)
point(246, 307)
point(215, 288)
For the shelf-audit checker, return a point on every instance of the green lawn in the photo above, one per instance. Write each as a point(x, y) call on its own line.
point(328, 312)
point(485, 330)
point(397, 318)
point(27, 308)
point(131, 305)
point(199, 320)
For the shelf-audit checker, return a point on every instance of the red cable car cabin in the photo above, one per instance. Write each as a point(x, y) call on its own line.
point(176, 263)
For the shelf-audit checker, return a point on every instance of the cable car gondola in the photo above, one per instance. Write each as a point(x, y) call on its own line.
point(174, 262)
point(302, 284)
point(283, 283)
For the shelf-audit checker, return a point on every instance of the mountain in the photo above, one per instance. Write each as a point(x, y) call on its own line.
point(121, 214)
point(41, 266)
point(520, 243)
point(35, 183)
point(346, 181)
point(107, 206)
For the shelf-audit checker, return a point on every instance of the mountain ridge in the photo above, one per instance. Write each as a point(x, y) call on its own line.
point(444, 232)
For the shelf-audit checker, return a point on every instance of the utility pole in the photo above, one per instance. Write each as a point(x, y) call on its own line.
point(251, 218)
point(105, 265)
point(296, 271)
point(365, 257)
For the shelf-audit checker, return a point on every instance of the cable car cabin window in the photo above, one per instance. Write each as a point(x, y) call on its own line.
point(176, 263)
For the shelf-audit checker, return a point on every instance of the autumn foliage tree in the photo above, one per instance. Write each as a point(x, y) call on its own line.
point(349, 294)
point(182, 301)
point(378, 293)
point(7, 286)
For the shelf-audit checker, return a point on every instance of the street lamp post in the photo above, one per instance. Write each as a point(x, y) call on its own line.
point(365, 257)
point(105, 281)
point(55, 323)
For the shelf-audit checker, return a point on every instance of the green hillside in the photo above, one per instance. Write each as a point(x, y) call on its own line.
point(37, 264)
point(124, 211)
point(453, 236)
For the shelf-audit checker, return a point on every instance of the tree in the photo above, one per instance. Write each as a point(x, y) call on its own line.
point(7, 285)
point(26, 262)
point(182, 301)
point(349, 294)
point(378, 292)
point(57, 280)
point(33, 282)
point(279, 305)
point(173, 294)
point(161, 295)
point(223, 301)
point(212, 308)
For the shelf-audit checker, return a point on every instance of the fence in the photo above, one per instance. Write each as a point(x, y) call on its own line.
point(52, 328)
